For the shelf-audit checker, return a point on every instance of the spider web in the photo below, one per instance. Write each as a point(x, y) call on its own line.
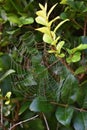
point(31, 84)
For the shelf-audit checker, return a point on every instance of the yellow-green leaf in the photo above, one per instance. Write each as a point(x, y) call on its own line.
point(78, 48)
point(1, 69)
point(59, 46)
point(61, 55)
point(81, 47)
point(63, 2)
point(53, 35)
point(41, 6)
point(74, 58)
point(59, 25)
point(53, 20)
point(50, 11)
point(51, 51)
point(55, 41)
point(45, 6)
point(45, 30)
point(7, 102)
point(8, 95)
point(41, 13)
point(41, 20)
point(47, 38)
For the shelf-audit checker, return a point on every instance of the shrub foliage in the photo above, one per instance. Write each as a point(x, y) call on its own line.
point(43, 65)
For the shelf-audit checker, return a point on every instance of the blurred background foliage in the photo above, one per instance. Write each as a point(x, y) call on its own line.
point(42, 84)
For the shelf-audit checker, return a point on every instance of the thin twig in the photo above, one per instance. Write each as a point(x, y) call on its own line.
point(1, 103)
point(73, 20)
point(59, 104)
point(66, 105)
point(66, 65)
point(47, 126)
point(32, 118)
point(2, 127)
point(85, 24)
point(49, 66)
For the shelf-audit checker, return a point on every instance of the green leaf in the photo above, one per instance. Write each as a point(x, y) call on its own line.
point(74, 58)
point(80, 121)
point(69, 91)
point(63, 16)
point(20, 21)
point(36, 124)
point(81, 47)
point(1, 69)
point(6, 74)
point(81, 69)
point(82, 96)
point(40, 105)
point(24, 107)
point(85, 10)
point(61, 55)
point(78, 48)
point(47, 38)
point(64, 115)
point(13, 19)
point(23, 21)
point(65, 128)
point(69, 51)
point(63, 2)
point(13, 31)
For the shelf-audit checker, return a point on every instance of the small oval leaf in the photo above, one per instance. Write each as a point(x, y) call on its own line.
point(47, 38)
point(40, 105)
point(64, 115)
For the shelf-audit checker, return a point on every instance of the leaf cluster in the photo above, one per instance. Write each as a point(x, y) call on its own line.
point(46, 77)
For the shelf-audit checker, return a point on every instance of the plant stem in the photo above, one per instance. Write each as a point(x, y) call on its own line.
point(66, 65)
point(47, 126)
point(1, 103)
point(32, 118)
point(85, 24)
point(73, 20)
point(66, 105)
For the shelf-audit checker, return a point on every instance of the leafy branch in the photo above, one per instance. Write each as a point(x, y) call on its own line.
point(50, 37)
